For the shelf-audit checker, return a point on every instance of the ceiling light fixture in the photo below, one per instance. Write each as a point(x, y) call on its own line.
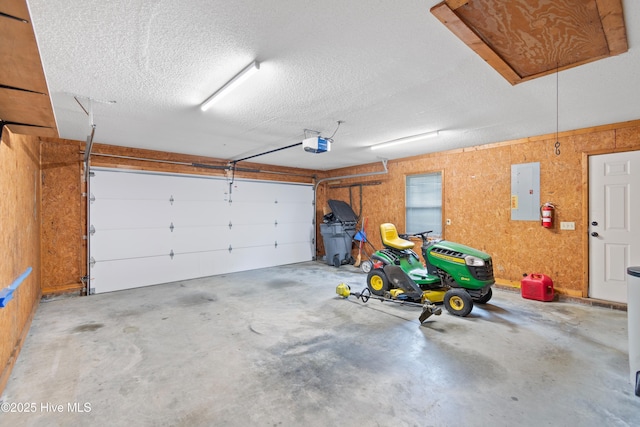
point(243, 75)
point(405, 140)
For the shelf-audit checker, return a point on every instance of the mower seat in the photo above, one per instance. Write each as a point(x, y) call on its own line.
point(391, 239)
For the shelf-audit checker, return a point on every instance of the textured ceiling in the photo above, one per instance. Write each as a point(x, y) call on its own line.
point(386, 69)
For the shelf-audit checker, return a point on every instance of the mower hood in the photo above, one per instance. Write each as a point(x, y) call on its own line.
point(457, 250)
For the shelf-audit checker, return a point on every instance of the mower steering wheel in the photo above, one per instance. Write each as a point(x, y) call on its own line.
point(423, 234)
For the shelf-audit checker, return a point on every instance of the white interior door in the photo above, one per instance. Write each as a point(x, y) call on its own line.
point(154, 228)
point(614, 223)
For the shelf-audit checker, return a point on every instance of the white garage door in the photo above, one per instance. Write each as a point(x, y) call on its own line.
point(150, 228)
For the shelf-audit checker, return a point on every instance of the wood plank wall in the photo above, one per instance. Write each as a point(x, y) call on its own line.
point(62, 218)
point(19, 241)
point(476, 189)
point(476, 197)
point(64, 206)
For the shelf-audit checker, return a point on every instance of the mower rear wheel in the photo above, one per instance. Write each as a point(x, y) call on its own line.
point(377, 282)
point(458, 302)
point(485, 299)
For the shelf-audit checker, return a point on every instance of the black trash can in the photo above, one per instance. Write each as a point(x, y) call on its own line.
point(338, 229)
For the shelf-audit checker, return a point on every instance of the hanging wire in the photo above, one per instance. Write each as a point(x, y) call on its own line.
point(335, 131)
point(557, 144)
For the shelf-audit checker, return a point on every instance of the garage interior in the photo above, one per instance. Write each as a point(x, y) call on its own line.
point(164, 265)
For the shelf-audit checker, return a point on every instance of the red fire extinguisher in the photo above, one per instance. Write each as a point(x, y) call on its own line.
point(546, 213)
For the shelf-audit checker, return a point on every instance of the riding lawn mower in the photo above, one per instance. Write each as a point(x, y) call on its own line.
point(453, 274)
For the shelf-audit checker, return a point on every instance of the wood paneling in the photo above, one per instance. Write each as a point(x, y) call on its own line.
point(124, 157)
point(458, 27)
point(17, 8)
point(612, 19)
point(22, 69)
point(476, 197)
point(27, 107)
point(64, 206)
point(19, 242)
point(524, 39)
point(62, 217)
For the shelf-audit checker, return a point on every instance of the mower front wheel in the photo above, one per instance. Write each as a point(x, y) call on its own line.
point(485, 299)
point(377, 282)
point(458, 302)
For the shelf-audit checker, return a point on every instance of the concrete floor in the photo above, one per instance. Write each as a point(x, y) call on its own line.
point(277, 347)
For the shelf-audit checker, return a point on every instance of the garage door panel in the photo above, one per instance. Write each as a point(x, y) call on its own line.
point(243, 259)
point(294, 232)
point(197, 188)
point(203, 264)
point(140, 218)
point(220, 262)
point(247, 235)
point(120, 214)
point(133, 243)
point(198, 239)
point(294, 213)
point(110, 276)
point(295, 251)
point(200, 212)
point(252, 212)
point(298, 196)
point(212, 263)
point(255, 192)
point(130, 185)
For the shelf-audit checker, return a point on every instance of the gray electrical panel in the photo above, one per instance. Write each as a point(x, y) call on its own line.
point(525, 192)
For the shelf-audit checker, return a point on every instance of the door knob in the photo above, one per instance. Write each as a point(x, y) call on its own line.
point(594, 234)
point(594, 223)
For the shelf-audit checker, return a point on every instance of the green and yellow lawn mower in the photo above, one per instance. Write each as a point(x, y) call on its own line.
point(453, 274)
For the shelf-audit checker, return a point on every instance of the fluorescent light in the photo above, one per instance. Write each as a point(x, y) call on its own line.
point(243, 75)
point(405, 140)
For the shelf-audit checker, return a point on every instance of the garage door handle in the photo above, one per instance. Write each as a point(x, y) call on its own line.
point(594, 234)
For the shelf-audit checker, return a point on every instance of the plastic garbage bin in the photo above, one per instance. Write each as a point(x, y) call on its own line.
point(337, 243)
point(337, 232)
point(633, 316)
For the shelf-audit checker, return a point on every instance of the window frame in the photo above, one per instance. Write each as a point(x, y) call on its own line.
point(441, 202)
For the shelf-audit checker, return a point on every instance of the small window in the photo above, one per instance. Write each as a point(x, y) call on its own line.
point(424, 203)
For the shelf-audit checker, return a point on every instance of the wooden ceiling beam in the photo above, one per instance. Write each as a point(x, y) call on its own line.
point(448, 17)
point(25, 107)
point(24, 95)
point(454, 4)
point(538, 42)
point(612, 18)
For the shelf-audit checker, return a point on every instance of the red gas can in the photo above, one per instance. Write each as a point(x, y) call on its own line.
point(537, 286)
